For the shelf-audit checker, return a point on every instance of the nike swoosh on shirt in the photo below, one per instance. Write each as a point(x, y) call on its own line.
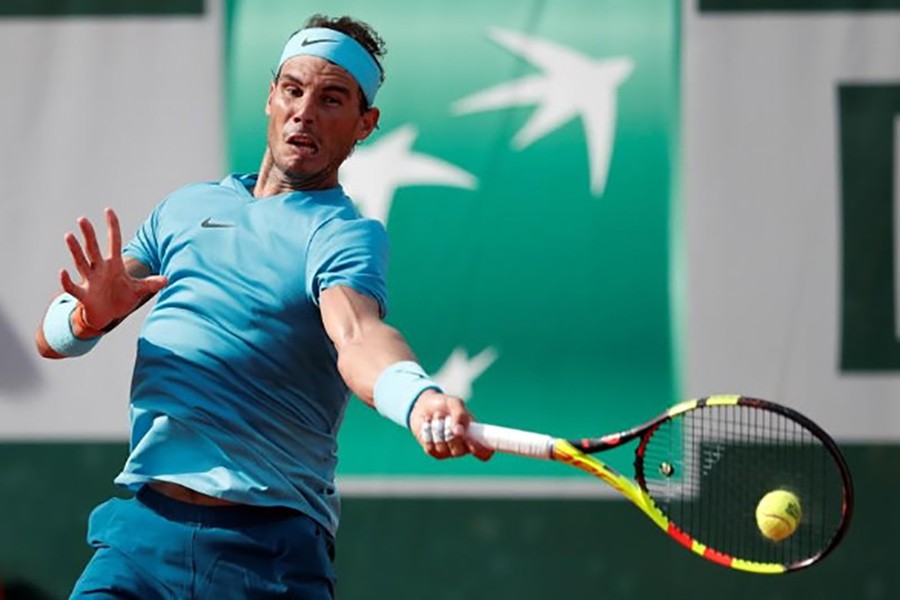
point(308, 42)
point(210, 224)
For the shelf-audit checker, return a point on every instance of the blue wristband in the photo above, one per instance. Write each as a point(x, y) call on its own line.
point(397, 389)
point(58, 328)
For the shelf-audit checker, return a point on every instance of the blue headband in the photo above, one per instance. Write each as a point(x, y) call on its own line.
point(340, 49)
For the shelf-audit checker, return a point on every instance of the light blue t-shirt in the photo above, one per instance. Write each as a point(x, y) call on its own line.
point(236, 392)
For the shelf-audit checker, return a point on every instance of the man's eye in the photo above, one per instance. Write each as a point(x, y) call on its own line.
point(292, 90)
point(333, 100)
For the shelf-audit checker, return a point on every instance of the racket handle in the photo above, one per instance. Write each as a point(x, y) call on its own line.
point(512, 441)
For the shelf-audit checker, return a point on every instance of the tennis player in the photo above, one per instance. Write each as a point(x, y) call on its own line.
point(271, 299)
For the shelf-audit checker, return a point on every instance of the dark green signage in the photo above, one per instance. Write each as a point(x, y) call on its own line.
point(868, 122)
point(99, 8)
point(751, 6)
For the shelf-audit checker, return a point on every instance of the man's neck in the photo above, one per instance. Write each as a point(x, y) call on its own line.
point(273, 181)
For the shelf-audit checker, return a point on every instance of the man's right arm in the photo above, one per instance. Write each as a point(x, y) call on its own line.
point(111, 288)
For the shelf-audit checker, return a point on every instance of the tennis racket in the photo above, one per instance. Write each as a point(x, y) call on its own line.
point(702, 467)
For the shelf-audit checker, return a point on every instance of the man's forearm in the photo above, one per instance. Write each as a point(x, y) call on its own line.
point(365, 356)
point(373, 357)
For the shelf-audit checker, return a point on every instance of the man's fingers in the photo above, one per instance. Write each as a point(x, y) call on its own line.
point(426, 438)
point(425, 433)
point(454, 434)
point(442, 429)
point(441, 450)
point(455, 426)
point(113, 233)
point(69, 286)
point(434, 437)
point(458, 446)
point(81, 263)
point(478, 451)
point(483, 454)
point(91, 247)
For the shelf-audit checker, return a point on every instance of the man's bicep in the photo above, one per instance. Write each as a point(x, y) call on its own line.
point(366, 345)
point(347, 313)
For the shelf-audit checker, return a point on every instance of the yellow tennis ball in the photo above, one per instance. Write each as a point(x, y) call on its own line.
point(778, 514)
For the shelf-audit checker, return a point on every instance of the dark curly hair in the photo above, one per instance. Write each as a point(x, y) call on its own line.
point(360, 31)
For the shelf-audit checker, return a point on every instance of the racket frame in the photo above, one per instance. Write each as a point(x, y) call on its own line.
point(577, 452)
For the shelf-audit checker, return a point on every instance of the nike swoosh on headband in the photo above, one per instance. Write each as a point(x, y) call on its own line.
point(309, 42)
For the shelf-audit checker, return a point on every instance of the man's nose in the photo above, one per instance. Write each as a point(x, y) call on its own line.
point(304, 109)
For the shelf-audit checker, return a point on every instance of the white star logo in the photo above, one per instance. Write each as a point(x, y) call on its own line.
point(571, 84)
point(374, 172)
point(459, 371)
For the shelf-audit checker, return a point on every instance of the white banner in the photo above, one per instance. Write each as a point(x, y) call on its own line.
point(763, 206)
point(94, 112)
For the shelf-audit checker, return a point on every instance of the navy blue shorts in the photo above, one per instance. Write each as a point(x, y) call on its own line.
point(152, 546)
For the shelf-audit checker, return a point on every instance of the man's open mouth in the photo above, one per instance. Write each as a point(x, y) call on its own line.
point(303, 141)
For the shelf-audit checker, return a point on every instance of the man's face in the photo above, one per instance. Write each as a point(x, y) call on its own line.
point(315, 120)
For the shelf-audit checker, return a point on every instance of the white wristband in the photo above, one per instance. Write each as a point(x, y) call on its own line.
point(397, 389)
point(57, 328)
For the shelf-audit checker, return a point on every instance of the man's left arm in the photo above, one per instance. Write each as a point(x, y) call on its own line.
point(372, 352)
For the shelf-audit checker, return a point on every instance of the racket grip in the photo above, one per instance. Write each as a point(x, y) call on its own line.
point(512, 441)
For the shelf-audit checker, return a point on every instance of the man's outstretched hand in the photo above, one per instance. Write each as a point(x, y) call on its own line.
point(107, 291)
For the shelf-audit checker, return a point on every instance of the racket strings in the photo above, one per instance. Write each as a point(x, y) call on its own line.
point(708, 469)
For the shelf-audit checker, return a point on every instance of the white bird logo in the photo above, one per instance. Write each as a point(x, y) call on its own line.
point(374, 172)
point(459, 371)
point(571, 84)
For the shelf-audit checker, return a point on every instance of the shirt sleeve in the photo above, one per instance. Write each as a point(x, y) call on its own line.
point(353, 253)
point(144, 246)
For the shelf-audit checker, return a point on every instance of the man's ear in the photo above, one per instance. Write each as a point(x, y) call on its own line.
point(368, 121)
point(269, 99)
